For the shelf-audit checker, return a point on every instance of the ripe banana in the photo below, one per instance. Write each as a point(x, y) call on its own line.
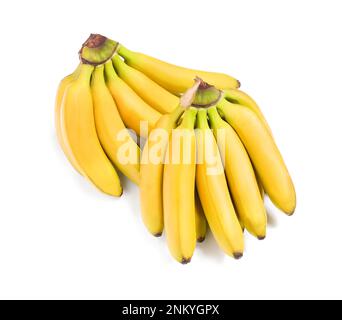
point(58, 104)
point(79, 133)
point(152, 164)
point(152, 93)
point(201, 221)
point(242, 183)
point(213, 191)
point(242, 98)
point(179, 189)
point(264, 154)
point(132, 108)
point(171, 77)
point(115, 139)
point(151, 172)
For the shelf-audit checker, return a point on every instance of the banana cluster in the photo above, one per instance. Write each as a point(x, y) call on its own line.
point(209, 155)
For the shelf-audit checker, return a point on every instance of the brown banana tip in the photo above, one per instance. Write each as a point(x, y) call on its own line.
point(237, 255)
point(185, 260)
point(200, 239)
point(158, 234)
point(238, 83)
point(290, 213)
point(261, 238)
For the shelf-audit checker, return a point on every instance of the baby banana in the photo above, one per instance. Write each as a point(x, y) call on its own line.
point(152, 93)
point(213, 191)
point(79, 133)
point(242, 183)
point(64, 84)
point(264, 154)
point(132, 108)
point(179, 189)
point(171, 77)
point(115, 139)
point(152, 163)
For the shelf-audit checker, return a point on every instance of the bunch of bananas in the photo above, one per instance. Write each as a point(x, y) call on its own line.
point(209, 154)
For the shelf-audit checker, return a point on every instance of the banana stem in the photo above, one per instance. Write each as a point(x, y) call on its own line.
point(109, 70)
point(214, 117)
point(97, 50)
point(202, 120)
point(206, 95)
point(85, 73)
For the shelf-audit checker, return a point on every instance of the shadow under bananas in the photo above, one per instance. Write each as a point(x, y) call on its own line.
point(271, 214)
point(210, 248)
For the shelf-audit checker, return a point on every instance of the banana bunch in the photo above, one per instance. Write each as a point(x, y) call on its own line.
point(209, 155)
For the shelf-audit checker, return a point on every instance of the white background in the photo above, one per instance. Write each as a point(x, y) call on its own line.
point(61, 238)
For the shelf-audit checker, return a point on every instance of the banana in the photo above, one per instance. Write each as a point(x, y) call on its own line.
point(152, 93)
point(213, 192)
point(151, 172)
point(58, 104)
point(171, 77)
point(201, 221)
point(152, 164)
point(261, 189)
point(111, 131)
point(179, 189)
point(132, 108)
point(264, 154)
point(242, 98)
point(242, 183)
point(79, 133)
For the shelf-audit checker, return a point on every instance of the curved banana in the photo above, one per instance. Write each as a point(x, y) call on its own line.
point(63, 85)
point(264, 154)
point(115, 139)
point(213, 191)
point(242, 98)
point(152, 93)
point(151, 172)
point(179, 189)
point(201, 221)
point(261, 189)
point(242, 183)
point(79, 134)
point(171, 77)
point(152, 164)
point(132, 108)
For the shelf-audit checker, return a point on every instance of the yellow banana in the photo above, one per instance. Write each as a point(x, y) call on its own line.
point(179, 189)
point(213, 192)
point(151, 172)
point(58, 104)
point(261, 189)
point(115, 139)
point(171, 77)
point(152, 93)
point(264, 154)
point(132, 108)
point(242, 98)
point(152, 164)
point(242, 183)
point(79, 133)
point(201, 221)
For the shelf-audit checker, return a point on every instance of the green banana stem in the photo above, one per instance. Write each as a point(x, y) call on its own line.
point(189, 118)
point(124, 52)
point(85, 73)
point(214, 118)
point(202, 121)
point(109, 70)
point(97, 49)
point(206, 95)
